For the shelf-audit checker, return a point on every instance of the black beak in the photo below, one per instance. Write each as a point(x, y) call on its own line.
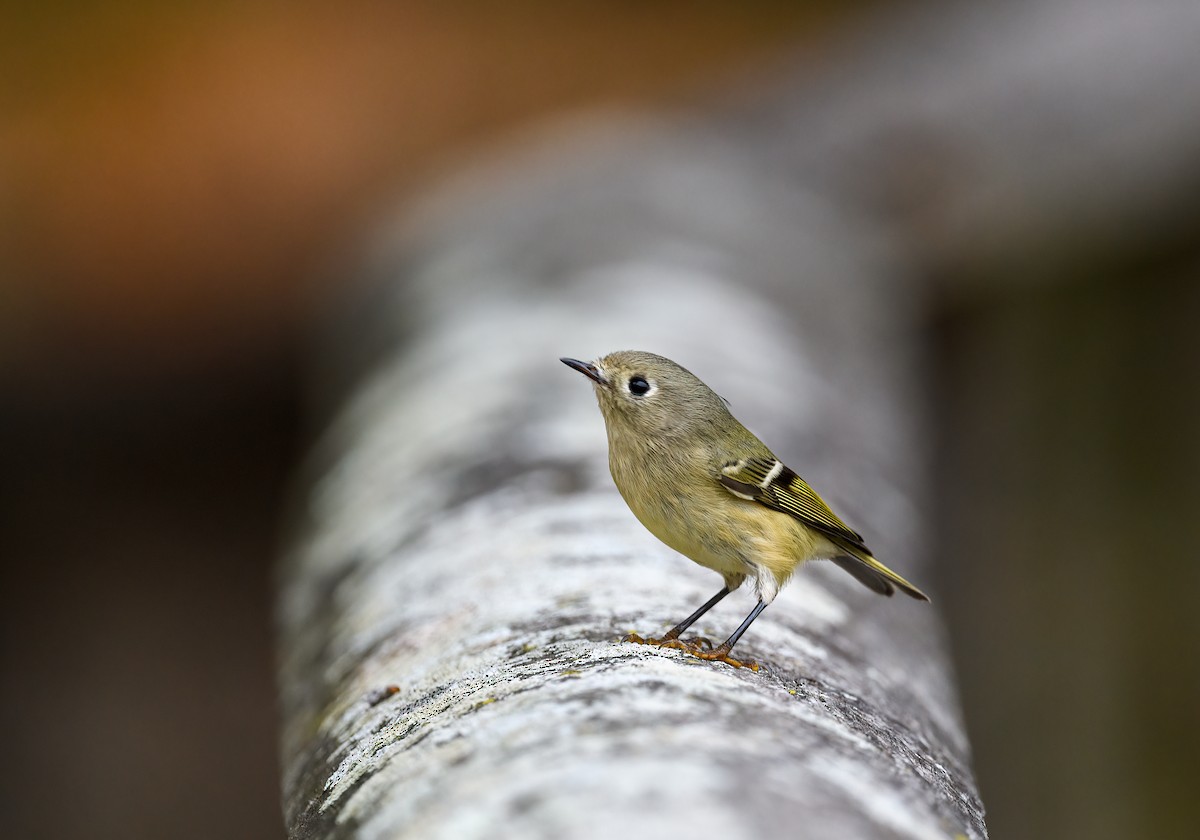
point(586, 369)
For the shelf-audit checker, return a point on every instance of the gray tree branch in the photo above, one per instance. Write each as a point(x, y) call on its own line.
point(470, 549)
point(452, 603)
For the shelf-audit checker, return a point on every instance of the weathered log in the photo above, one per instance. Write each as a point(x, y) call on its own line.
point(464, 545)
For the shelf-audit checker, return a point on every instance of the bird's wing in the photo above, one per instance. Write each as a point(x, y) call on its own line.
point(769, 482)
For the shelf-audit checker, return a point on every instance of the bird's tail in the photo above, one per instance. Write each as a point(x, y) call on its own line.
point(876, 576)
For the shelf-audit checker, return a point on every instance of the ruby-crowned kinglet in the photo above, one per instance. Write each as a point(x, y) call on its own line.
point(704, 485)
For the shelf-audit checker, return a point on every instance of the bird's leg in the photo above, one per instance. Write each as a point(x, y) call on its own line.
point(721, 653)
point(671, 638)
point(675, 632)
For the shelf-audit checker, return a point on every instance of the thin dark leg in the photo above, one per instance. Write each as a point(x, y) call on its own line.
point(728, 644)
point(677, 630)
point(721, 653)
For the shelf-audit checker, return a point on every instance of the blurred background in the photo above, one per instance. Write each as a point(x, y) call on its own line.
point(175, 180)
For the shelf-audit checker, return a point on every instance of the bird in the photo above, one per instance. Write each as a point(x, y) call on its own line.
point(707, 487)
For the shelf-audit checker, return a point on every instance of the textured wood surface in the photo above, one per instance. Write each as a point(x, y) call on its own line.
point(463, 545)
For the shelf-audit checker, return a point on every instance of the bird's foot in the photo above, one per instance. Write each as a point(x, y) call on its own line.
point(696, 643)
point(697, 646)
point(693, 645)
point(638, 640)
point(721, 654)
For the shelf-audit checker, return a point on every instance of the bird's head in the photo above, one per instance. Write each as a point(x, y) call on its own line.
point(650, 395)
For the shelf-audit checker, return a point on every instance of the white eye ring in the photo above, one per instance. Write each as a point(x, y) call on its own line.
point(639, 386)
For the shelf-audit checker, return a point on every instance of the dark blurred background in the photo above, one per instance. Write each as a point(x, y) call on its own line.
point(174, 179)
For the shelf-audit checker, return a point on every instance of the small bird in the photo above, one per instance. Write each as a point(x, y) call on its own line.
point(708, 488)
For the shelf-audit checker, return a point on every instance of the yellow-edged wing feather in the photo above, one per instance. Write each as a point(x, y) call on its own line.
point(768, 482)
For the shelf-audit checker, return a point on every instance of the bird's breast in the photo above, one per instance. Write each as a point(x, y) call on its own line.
point(687, 510)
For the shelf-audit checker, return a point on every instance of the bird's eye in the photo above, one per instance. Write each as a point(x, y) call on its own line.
point(638, 385)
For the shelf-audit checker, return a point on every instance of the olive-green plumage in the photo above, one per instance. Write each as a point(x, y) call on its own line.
point(704, 485)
